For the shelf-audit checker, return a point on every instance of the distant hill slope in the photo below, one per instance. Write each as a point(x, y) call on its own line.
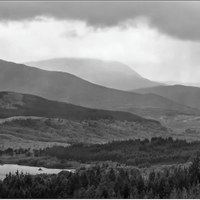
point(68, 88)
point(110, 74)
point(16, 104)
point(186, 95)
point(181, 83)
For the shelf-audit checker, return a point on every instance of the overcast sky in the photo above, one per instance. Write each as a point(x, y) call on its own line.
point(159, 40)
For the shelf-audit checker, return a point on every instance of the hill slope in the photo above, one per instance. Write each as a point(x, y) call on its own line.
point(16, 104)
point(187, 95)
point(68, 88)
point(28, 118)
point(67, 131)
point(110, 74)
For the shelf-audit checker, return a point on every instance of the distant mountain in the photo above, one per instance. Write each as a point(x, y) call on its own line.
point(179, 83)
point(186, 95)
point(68, 88)
point(16, 104)
point(174, 83)
point(110, 74)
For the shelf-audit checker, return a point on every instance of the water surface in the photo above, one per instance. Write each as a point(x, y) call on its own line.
point(5, 169)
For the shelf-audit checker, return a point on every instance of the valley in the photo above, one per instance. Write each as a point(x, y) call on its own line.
point(60, 121)
point(38, 133)
point(99, 100)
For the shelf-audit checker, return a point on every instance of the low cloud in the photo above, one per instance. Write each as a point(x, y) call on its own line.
point(177, 19)
point(153, 55)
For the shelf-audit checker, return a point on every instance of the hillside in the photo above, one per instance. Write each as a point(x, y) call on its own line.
point(111, 74)
point(16, 104)
point(68, 88)
point(47, 130)
point(186, 95)
point(26, 118)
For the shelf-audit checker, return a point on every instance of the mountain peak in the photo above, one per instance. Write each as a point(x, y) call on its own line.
point(112, 74)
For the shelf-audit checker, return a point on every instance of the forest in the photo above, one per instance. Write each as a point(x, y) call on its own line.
point(141, 153)
point(112, 170)
point(105, 181)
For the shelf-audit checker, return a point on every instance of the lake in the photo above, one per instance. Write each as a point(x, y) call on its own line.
point(5, 169)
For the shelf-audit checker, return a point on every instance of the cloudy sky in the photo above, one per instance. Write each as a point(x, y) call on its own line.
point(159, 40)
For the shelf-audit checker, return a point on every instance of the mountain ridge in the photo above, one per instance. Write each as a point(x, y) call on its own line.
point(62, 86)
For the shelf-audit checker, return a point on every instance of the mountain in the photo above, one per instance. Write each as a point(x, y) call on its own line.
point(68, 88)
point(16, 104)
point(186, 95)
point(110, 74)
point(174, 83)
point(180, 83)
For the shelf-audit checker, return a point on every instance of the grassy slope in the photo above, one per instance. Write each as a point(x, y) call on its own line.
point(30, 105)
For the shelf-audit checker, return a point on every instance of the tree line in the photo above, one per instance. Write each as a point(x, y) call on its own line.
point(141, 153)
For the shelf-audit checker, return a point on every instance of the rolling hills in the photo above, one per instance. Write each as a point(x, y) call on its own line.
point(28, 119)
point(186, 95)
point(111, 74)
point(60, 86)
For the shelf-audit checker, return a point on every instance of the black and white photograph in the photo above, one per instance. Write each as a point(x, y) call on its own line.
point(99, 99)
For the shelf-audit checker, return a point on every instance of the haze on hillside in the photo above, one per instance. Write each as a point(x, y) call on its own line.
point(110, 74)
point(186, 95)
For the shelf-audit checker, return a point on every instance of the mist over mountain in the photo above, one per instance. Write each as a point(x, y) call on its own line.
point(186, 95)
point(68, 88)
point(110, 74)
